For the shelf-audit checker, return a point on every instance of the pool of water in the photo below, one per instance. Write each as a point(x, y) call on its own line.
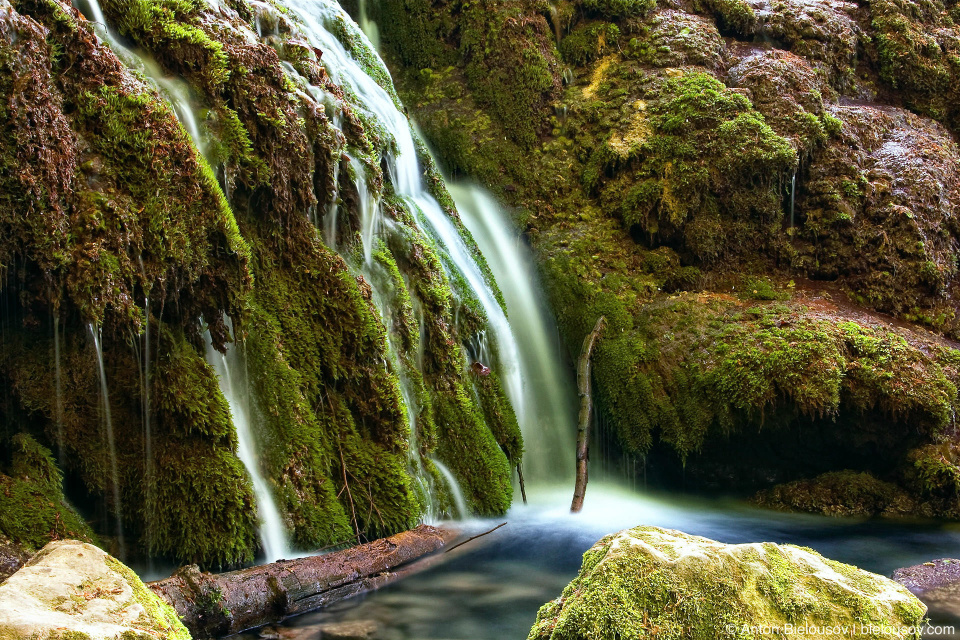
point(493, 590)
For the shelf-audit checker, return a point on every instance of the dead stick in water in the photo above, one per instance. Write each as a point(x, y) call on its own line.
point(479, 535)
point(586, 410)
point(523, 490)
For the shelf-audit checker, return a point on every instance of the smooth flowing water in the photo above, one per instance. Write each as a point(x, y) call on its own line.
point(549, 394)
point(317, 18)
point(493, 591)
point(109, 439)
point(231, 375)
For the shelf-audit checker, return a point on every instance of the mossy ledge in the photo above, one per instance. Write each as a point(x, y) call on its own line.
point(135, 238)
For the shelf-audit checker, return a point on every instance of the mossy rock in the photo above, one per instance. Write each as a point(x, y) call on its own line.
point(33, 510)
point(843, 493)
point(648, 581)
point(72, 590)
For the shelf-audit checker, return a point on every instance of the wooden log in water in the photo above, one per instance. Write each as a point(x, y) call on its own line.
point(586, 410)
point(214, 605)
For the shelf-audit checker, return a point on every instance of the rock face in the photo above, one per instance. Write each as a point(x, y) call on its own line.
point(648, 581)
point(124, 241)
point(742, 188)
point(74, 591)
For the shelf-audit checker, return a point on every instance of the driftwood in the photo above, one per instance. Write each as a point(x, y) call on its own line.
point(523, 489)
point(214, 605)
point(586, 410)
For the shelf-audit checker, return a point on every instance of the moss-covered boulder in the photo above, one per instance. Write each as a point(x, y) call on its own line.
point(651, 582)
point(74, 591)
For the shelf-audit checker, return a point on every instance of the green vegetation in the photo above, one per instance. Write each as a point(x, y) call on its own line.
point(648, 581)
point(31, 499)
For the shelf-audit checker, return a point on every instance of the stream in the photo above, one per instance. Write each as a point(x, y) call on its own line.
point(493, 591)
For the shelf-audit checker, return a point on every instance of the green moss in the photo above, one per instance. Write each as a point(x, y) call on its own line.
point(589, 42)
point(841, 493)
point(33, 510)
point(732, 15)
point(196, 470)
point(645, 581)
point(510, 66)
point(618, 9)
point(162, 617)
point(686, 160)
point(172, 25)
point(917, 51)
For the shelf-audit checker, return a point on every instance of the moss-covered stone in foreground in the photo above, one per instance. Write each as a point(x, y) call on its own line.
point(649, 582)
point(74, 591)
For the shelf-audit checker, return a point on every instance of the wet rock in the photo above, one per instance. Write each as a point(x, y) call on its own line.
point(929, 575)
point(677, 38)
point(824, 31)
point(12, 557)
point(936, 583)
point(76, 589)
point(349, 630)
point(880, 209)
point(647, 578)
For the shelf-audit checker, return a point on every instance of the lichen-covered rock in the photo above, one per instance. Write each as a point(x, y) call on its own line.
point(648, 581)
point(74, 591)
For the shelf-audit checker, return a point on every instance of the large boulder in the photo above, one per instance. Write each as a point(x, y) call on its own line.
point(72, 590)
point(648, 581)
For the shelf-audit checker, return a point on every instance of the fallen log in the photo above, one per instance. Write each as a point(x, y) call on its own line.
point(215, 605)
point(586, 411)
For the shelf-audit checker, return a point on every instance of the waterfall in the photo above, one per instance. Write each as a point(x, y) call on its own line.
point(236, 390)
point(111, 444)
point(407, 177)
point(455, 493)
point(549, 429)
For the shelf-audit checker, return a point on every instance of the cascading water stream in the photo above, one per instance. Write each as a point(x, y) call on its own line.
point(111, 444)
point(548, 392)
point(455, 493)
point(407, 178)
point(236, 391)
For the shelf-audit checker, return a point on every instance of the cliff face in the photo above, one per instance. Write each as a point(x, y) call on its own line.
point(744, 189)
point(119, 237)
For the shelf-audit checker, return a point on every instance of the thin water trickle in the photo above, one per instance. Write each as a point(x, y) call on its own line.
point(236, 391)
point(370, 216)
point(147, 432)
point(58, 382)
point(463, 511)
point(793, 196)
point(111, 444)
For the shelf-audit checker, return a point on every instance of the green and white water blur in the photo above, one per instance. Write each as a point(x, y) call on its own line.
point(522, 350)
point(495, 590)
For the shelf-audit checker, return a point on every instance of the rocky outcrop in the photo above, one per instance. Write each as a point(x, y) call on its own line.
point(650, 581)
point(74, 591)
point(136, 230)
point(739, 187)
